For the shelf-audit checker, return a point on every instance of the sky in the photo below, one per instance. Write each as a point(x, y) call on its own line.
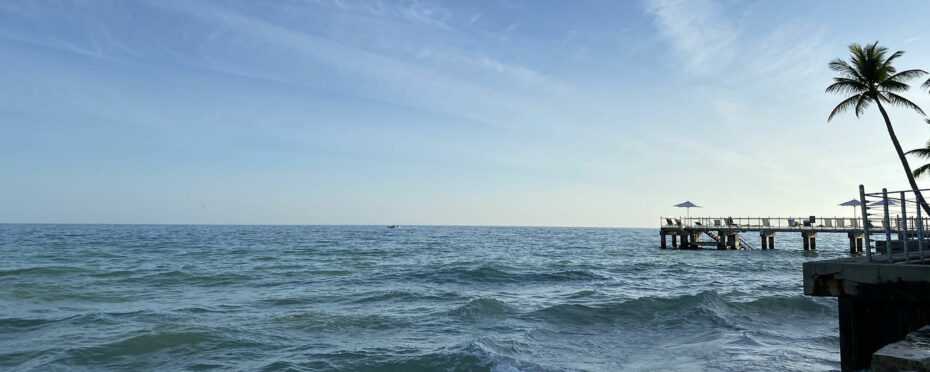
point(529, 113)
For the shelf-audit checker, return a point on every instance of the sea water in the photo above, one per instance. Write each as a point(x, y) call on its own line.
point(414, 298)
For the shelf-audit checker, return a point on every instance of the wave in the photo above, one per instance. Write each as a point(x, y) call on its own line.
point(707, 306)
point(498, 274)
point(45, 271)
point(472, 356)
point(483, 307)
point(182, 278)
point(405, 296)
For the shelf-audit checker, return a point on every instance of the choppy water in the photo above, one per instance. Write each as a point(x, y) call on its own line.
point(368, 298)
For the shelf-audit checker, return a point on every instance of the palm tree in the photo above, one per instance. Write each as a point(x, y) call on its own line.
point(870, 78)
point(923, 153)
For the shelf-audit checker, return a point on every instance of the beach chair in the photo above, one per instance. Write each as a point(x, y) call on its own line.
point(730, 222)
point(766, 222)
point(841, 223)
point(792, 222)
point(828, 223)
point(717, 223)
point(678, 222)
point(668, 221)
point(854, 222)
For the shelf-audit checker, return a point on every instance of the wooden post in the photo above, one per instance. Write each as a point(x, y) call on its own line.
point(807, 242)
point(852, 243)
point(903, 227)
point(733, 241)
point(674, 240)
point(722, 243)
point(663, 239)
point(813, 238)
point(865, 223)
point(764, 240)
point(772, 241)
point(684, 241)
point(888, 251)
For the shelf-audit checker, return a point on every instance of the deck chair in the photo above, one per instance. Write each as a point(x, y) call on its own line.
point(678, 222)
point(730, 222)
point(766, 223)
point(668, 221)
point(854, 223)
point(841, 223)
point(828, 223)
point(717, 223)
point(792, 222)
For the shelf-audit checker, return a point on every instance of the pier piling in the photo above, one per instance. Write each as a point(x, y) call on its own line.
point(810, 240)
point(855, 242)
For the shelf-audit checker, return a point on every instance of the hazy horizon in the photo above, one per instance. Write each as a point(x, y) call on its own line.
point(497, 113)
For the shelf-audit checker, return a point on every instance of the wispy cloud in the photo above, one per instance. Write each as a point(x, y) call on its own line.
point(699, 32)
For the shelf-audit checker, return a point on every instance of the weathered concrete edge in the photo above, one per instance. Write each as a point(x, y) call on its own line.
point(910, 354)
point(848, 276)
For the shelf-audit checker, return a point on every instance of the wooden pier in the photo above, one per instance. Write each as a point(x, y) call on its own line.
point(730, 232)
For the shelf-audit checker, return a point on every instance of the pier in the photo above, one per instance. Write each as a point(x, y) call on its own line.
point(734, 232)
point(884, 294)
point(883, 290)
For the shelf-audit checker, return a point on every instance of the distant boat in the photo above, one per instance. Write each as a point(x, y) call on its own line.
point(392, 226)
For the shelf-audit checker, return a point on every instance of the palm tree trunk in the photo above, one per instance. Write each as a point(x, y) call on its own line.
point(907, 167)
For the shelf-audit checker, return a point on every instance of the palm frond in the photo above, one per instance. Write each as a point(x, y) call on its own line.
point(926, 84)
point(862, 103)
point(921, 170)
point(846, 86)
point(845, 105)
point(923, 153)
point(907, 75)
point(897, 100)
point(844, 68)
point(893, 86)
point(892, 57)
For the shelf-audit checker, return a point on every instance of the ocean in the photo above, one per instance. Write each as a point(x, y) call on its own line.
point(414, 298)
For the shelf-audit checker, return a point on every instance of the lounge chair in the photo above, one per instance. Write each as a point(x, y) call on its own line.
point(828, 223)
point(678, 222)
point(841, 223)
point(668, 221)
point(717, 223)
point(730, 222)
point(854, 223)
point(792, 222)
point(766, 222)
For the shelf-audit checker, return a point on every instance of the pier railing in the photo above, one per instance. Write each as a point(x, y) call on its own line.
point(894, 226)
point(762, 223)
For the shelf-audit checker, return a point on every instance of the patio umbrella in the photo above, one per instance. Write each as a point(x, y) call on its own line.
point(688, 205)
point(852, 203)
point(882, 202)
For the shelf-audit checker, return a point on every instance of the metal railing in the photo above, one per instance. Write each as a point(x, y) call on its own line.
point(762, 223)
point(891, 220)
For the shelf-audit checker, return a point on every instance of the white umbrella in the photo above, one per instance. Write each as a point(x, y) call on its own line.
point(688, 205)
point(852, 203)
point(882, 202)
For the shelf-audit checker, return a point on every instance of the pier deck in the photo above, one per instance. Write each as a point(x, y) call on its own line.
point(728, 232)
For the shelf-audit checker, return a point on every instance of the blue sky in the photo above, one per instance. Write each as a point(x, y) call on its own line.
point(419, 112)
